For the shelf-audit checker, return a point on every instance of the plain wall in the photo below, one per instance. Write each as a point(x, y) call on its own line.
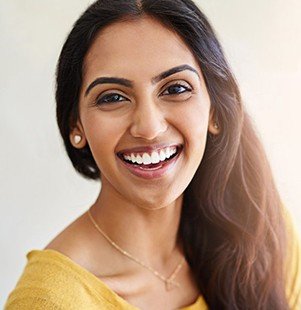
point(40, 193)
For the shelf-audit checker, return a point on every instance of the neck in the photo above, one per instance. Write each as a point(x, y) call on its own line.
point(146, 231)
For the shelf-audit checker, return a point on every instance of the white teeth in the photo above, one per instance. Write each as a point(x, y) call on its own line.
point(133, 158)
point(162, 155)
point(154, 158)
point(139, 160)
point(167, 151)
point(146, 159)
point(173, 150)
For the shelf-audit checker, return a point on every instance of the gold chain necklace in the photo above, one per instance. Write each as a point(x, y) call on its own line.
point(169, 282)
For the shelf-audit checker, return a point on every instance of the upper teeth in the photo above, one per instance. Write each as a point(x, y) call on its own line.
point(153, 158)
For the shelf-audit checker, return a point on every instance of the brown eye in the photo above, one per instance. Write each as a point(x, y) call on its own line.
point(110, 98)
point(176, 89)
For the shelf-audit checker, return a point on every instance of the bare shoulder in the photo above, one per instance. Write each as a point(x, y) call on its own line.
point(81, 242)
point(69, 236)
point(83, 245)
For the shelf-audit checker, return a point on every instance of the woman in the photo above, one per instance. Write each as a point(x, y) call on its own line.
point(188, 216)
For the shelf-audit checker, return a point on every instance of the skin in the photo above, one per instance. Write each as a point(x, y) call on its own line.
point(141, 216)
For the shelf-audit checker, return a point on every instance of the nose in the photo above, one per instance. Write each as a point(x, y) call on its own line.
point(148, 121)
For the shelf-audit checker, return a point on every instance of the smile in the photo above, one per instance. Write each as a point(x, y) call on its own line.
point(153, 164)
point(150, 158)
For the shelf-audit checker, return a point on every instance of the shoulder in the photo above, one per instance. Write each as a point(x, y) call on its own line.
point(60, 276)
point(80, 242)
point(42, 284)
point(72, 241)
point(51, 280)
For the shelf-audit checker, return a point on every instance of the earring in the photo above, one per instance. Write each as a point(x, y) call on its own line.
point(77, 139)
point(215, 125)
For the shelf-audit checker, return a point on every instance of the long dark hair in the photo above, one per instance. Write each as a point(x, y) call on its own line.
point(232, 228)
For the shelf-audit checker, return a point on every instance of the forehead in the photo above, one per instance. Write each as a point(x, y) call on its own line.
point(141, 47)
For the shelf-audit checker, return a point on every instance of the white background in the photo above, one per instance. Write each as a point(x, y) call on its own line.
point(40, 193)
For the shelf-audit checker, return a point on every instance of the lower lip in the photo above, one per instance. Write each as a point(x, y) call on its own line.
point(152, 173)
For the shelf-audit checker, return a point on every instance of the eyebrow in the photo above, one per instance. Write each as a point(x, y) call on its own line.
point(129, 83)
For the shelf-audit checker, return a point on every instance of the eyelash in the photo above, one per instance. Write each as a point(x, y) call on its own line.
point(99, 101)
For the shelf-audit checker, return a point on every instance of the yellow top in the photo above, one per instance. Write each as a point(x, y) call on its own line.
point(53, 281)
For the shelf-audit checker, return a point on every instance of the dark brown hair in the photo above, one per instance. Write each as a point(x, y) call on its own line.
point(231, 226)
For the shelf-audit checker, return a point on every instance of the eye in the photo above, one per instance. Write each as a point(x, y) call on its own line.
point(176, 89)
point(109, 98)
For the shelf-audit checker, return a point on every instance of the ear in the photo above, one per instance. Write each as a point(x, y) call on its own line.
point(77, 136)
point(213, 125)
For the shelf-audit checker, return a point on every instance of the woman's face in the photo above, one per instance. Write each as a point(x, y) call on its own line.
point(142, 92)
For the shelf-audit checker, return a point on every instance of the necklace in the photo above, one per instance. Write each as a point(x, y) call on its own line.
point(169, 281)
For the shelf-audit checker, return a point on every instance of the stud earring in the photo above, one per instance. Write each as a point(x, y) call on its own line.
point(216, 125)
point(77, 139)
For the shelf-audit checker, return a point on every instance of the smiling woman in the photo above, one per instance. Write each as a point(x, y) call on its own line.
point(188, 215)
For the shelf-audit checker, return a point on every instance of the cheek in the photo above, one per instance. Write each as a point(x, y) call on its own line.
point(193, 124)
point(103, 134)
point(194, 128)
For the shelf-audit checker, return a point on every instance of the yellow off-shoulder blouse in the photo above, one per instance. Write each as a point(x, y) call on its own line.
point(51, 280)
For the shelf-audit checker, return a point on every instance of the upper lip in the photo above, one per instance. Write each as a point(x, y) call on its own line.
point(148, 148)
